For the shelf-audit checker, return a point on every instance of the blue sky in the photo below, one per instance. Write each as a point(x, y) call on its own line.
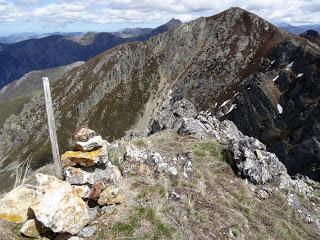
point(44, 16)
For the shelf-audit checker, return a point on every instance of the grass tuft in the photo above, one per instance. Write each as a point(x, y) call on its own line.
point(209, 149)
point(159, 230)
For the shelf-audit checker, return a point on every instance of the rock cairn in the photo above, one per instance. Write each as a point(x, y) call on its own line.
point(62, 206)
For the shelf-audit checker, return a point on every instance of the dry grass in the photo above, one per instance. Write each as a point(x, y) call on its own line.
point(22, 172)
point(214, 204)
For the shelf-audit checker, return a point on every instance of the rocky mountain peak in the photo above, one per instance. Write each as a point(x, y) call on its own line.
point(173, 22)
point(312, 35)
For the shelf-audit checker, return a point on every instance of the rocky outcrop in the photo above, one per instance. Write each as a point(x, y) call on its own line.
point(280, 107)
point(249, 157)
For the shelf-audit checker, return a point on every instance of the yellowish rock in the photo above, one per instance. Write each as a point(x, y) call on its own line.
point(119, 199)
point(110, 196)
point(83, 191)
point(98, 156)
point(15, 204)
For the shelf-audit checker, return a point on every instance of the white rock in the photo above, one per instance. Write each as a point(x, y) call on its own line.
point(58, 206)
point(91, 143)
point(29, 229)
point(172, 170)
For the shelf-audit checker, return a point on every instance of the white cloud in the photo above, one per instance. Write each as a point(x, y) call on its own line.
point(62, 12)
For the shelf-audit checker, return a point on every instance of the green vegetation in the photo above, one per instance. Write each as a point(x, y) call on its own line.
point(140, 142)
point(13, 106)
point(130, 228)
point(209, 149)
point(115, 155)
point(235, 231)
point(148, 191)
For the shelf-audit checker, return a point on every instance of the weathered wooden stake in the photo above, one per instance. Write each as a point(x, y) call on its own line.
point(52, 128)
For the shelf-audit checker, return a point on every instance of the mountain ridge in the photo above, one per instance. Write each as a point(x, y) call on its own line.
point(210, 61)
point(55, 50)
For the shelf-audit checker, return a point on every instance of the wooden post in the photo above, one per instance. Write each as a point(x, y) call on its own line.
point(52, 128)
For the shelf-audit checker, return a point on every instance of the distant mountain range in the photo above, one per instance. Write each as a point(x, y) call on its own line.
point(298, 29)
point(56, 50)
point(18, 37)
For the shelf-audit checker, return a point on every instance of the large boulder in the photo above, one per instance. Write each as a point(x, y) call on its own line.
point(15, 204)
point(58, 206)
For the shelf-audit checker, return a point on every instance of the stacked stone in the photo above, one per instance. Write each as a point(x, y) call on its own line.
point(89, 168)
point(61, 207)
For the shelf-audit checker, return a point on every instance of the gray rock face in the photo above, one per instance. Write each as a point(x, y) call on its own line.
point(249, 156)
point(88, 231)
point(166, 118)
point(147, 161)
point(82, 176)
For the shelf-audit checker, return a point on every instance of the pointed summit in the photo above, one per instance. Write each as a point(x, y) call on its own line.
point(173, 23)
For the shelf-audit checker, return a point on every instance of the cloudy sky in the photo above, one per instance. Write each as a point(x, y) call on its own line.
point(111, 15)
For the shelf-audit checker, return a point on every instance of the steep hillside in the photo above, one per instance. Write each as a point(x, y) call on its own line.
point(32, 81)
point(14, 95)
point(211, 61)
point(52, 51)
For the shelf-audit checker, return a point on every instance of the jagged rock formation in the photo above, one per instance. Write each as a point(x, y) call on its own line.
point(280, 107)
point(180, 174)
point(223, 63)
point(249, 156)
point(19, 58)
